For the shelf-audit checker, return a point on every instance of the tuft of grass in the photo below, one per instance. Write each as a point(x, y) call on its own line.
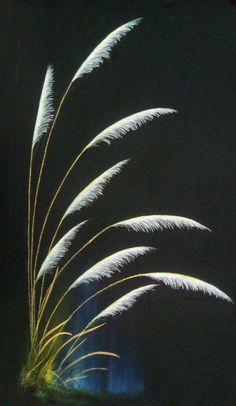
point(50, 367)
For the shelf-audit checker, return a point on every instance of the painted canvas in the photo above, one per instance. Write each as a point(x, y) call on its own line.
point(122, 288)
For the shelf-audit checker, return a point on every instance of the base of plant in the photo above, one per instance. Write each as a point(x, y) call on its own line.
point(59, 395)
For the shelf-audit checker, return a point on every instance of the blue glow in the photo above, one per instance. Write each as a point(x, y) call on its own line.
point(123, 375)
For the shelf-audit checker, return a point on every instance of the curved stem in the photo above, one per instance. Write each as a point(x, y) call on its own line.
point(50, 208)
point(78, 335)
point(85, 371)
point(84, 246)
point(54, 311)
point(59, 326)
point(63, 333)
point(73, 348)
point(87, 300)
point(44, 303)
point(56, 233)
point(94, 318)
point(59, 272)
point(35, 367)
point(91, 354)
point(63, 268)
point(58, 227)
point(41, 172)
point(102, 291)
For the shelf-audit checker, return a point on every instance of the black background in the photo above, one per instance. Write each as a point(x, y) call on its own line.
point(181, 56)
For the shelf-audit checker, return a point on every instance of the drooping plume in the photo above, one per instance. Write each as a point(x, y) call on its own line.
point(178, 281)
point(58, 251)
point(175, 281)
point(95, 189)
point(159, 222)
point(124, 303)
point(111, 264)
point(45, 113)
point(103, 50)
point(130, 123)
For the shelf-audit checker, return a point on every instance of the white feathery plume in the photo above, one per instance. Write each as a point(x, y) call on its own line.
point(58, 251)
point(111, 264)
point(124, 303)
point(45, 111)
point(159, 222)
point(103, 50)
point(94, 189)
point(130, 123)
point(178, 281)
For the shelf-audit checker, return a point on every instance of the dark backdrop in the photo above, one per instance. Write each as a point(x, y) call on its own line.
point(181, 56)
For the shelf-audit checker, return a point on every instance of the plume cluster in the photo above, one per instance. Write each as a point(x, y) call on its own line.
point(50, 342)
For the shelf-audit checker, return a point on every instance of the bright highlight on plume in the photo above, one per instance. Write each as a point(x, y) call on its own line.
point(58, 251)
point(45, 113)
point(94, 189)
point(124, 303)
point(103, 50)
point(111, 264)
point(159, 222)
point(130, 123)
point(178, 281)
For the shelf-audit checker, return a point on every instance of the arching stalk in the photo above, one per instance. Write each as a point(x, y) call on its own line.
point(59, 272)
point(56, 233)
point(53, 312)
point(86, 301)
point(59, 326)
point(141, 223)
point(85, 371)
point(84, 246)
point(51, 205)
point(44, 303)
point(74, 337)
point(73, 348)
point(63, 333)
point(41, 171)
point(91, 354)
